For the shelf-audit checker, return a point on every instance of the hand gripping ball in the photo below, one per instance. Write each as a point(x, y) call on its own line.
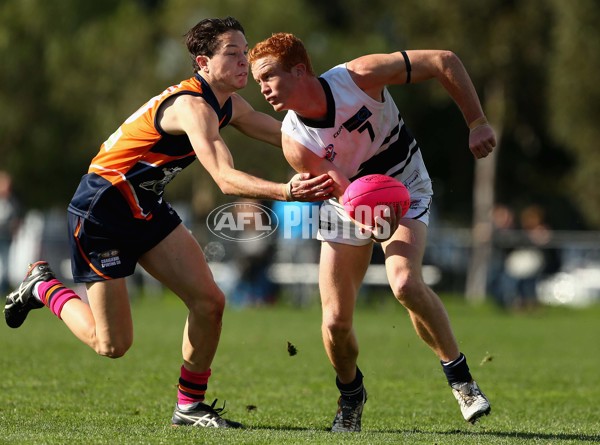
point(368, 196)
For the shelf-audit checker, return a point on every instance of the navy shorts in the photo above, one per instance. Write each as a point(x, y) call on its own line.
point(110, 248)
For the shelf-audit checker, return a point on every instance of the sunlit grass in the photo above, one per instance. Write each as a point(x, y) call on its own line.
point(539, 369)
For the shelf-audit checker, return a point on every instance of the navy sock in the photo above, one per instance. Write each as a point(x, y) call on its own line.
point(457, 370)
point(353, 390)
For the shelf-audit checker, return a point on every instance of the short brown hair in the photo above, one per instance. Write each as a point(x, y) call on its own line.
point(204, 38)
point(286, 48)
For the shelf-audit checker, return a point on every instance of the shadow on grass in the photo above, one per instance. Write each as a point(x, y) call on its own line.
point(595, 438)
point(521, 435)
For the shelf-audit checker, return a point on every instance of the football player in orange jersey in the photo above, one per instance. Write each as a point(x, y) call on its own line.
point(118, 218)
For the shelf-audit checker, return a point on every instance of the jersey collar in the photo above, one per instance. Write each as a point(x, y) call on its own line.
point(329, 120)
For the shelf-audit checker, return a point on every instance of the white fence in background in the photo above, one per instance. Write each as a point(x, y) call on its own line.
point(576, 282)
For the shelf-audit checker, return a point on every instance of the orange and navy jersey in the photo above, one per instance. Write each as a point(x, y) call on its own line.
point(140, 159)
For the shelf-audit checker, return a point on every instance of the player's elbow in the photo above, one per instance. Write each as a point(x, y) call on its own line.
point(226, 188)
point(222, 178)
point(447, 61)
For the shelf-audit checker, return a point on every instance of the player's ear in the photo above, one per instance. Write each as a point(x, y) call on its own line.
point(299, 70)
point(202, 62)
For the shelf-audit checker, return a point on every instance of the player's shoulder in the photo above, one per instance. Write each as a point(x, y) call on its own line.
point(184, 101)
point(341, 81)
point(290, 119)
point(184, 106)
point(239, 107)
point(336, 71)
point(239, 101)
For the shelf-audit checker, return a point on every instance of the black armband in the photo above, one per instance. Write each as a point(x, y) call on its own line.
point(408, 67)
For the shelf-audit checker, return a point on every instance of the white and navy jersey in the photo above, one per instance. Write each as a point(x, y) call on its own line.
point(361, 135)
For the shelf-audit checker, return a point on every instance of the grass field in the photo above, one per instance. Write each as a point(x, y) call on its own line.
point(541, 372)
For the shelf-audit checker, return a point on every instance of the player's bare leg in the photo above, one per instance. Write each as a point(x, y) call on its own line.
point(105, 324)
point(404, 255)
point(106, 328)
point(342, 269)
point(179, 263)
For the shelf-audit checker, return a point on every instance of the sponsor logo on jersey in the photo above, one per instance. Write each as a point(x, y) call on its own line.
point(358, 119)
point(109, 258)
point(158, 186)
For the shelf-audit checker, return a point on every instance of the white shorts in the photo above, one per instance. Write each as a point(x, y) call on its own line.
point(336, 226)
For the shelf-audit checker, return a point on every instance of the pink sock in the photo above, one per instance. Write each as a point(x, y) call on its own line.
point(54, 294)
point(192, 386)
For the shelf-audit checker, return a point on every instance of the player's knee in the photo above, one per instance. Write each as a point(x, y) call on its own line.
point(209, 305)
point(407, 289)
point(113, 349)
point(336, 326)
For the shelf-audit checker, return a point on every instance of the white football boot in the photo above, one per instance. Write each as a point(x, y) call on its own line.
point(472, 401)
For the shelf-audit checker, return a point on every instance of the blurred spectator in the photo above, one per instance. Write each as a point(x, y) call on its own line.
point(10, 217)
point(500, 284)
point(532, 261)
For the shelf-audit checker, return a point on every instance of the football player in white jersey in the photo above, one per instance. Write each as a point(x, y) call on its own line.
point(345, 123)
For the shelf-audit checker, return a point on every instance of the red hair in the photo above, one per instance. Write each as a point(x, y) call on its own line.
point(286, 48)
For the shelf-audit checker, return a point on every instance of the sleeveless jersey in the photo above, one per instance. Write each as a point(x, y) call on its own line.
point(140, 158)
point(360, 135)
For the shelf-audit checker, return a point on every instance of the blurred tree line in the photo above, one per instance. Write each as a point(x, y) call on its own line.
point(72, 71)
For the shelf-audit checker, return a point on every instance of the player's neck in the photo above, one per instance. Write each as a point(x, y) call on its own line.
point(222, 90)
point(313, 102)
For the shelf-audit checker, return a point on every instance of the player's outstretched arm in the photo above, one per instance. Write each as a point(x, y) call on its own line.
point(199, 122)
point(255, 124)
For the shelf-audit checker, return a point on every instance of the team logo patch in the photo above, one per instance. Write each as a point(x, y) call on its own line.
point(330, 153)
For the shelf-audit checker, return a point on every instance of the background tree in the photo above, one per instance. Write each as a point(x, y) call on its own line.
point(573, 98)
point(72, 71)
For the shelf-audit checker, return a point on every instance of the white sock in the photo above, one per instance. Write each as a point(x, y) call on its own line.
point(186, 406)
point(35, 292)
point(455, 361)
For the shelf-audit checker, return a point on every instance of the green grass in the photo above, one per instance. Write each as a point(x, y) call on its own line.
point(541, 372)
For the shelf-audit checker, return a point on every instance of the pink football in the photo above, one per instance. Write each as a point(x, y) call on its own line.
point(368, 195)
